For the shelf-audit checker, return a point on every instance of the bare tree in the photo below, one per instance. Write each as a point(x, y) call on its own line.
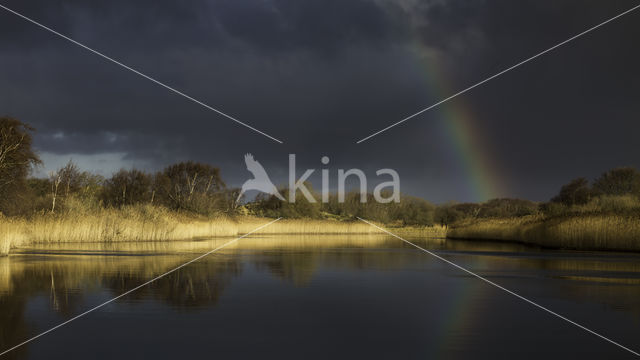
point(71, 177)
point(55, 179)
point(190, 186)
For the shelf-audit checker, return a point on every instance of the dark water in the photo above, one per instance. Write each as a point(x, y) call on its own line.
point(291, 297)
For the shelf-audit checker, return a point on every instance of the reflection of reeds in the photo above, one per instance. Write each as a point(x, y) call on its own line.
point(5, 277)
point(306, 226)
point(253, 242)
point(593, 232)
point(148, 223)
point(75, 265)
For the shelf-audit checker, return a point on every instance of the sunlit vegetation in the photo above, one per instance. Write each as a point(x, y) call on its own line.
point(182, 201)
point(150, 224)
point(153, 223)
point(602, 216)
point(190, 200)
point(594, 232)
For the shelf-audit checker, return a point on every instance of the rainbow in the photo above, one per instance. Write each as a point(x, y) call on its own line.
point(477, 162)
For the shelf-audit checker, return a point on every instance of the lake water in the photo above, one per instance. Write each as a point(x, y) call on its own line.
point(318, 297)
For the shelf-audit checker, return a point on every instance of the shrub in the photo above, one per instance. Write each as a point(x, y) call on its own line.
point(127, 187)
point(271, 206)
point(576, 192)
point(620, 181)
point(445, 215)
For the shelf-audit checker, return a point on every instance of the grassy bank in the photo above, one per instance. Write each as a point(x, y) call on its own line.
point(145, 223)
point(582, 231)
point(149, 223)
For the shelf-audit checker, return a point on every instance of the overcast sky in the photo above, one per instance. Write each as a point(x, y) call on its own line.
point(320, 75)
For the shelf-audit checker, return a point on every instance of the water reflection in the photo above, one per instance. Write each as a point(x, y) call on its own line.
point(70, 280)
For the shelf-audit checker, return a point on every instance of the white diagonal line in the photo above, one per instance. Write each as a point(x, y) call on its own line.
point(498, 74)
point(503, 288)
point(136, 288)
point(139, 73)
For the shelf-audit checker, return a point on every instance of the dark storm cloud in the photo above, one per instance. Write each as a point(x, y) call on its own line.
point(262, 25)
point(321, 75)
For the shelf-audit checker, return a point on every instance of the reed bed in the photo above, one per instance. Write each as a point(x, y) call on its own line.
point(148, 224)
point(435, 231)
point(585, 232)
point(144, 223)
point(11, 234)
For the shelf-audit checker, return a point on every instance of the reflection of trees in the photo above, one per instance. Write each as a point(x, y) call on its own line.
point(605, 279)
point(196, 285)
point(22, 285)
point(66, 281)
point(296, 267)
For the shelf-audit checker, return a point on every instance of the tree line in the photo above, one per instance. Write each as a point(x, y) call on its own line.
point(614, 191)
point(185, 186)
point(624, 181)
point(199, 188)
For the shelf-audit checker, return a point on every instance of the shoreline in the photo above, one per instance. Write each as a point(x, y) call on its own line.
point(149, 224)
point(589, 232)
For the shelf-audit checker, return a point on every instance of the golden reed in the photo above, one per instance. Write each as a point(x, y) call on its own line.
point(148, 223)
point(583, 232)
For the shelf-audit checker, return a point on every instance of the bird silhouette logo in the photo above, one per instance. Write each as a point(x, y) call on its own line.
point(260, 181)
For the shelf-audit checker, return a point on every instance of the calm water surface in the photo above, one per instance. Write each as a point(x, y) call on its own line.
point(317, 297)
